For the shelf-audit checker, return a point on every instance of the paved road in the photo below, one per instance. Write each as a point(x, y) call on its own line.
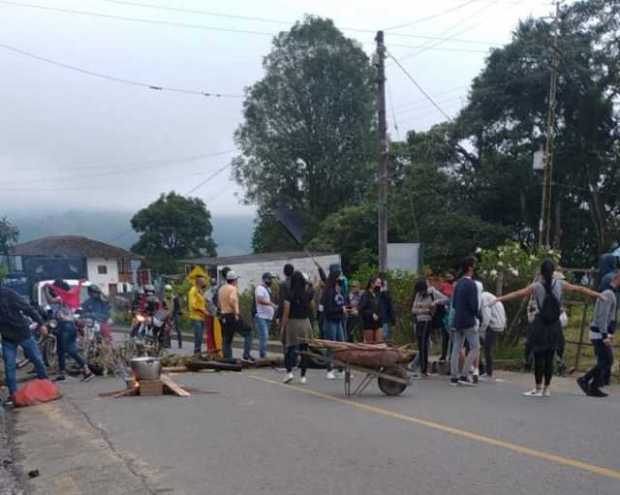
point(256, 436)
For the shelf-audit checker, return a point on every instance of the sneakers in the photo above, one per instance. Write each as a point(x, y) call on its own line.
point(583, 385)
point(303, 380)
point(475, 378)
point(340, 375)
point(88, 376)
point(8, 403)
point(454, 382)
point(597, 392)
point(248, 359)
point(416, 376)
point(464, 381)
point(60, 378)
point(546, 392)
point(533, 393)
point(288, 378)
point(330, 375)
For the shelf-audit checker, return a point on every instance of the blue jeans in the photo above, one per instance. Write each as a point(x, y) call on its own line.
point(9, 353)
point(66, 344)
point(458, 341)
point(386, 331)
point(333, 331)
point(198, 327)
point(262, 327)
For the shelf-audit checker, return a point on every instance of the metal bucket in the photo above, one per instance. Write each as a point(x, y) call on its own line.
point(146, 368)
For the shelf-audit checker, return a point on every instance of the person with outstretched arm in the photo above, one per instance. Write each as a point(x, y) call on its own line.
point(15, 332)
point(545, 335)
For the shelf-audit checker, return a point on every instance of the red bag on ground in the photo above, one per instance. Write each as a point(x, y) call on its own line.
point(36, 392)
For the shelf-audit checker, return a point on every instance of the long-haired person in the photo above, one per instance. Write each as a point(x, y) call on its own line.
point(295, 325)
point(370, 311)
point(425, 302)
point(545, 335)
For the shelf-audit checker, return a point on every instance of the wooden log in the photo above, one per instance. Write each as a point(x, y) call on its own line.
point(150, 388)
point(173, 386)
point(196, 365)
point(174, 369)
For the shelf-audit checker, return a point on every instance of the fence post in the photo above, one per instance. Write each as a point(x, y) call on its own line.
point(581, 331)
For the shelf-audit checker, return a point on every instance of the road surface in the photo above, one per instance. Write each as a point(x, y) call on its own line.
point(253, 435)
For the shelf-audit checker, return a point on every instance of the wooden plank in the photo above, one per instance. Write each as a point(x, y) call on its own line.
point(176, 389)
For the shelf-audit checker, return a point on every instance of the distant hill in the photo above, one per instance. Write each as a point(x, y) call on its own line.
point(232, 233)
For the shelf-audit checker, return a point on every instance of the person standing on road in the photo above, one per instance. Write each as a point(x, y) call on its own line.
point(265, 310)
point(172, 304)
point(197, 308)
point(466, 311)
point(63, 303)
point(228, 299)
point(16, 333)
point(493, 322)
point(98, 307)
point(388, 317)
point(370, 311)
point(602, 330)
point(283, 289)
point(295, 326)
point(425, 302)
point(333, 303)
point(546, 331)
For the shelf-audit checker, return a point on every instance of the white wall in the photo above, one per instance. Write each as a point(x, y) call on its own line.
point(102, 281)
point(251, 273)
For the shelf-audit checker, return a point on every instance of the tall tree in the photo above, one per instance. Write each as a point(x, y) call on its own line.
point(171, 228)
point(308, 137)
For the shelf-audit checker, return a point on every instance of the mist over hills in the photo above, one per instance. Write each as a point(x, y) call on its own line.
point(232, 233)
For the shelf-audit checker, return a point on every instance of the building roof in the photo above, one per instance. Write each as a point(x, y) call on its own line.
point(252, 258)
point(70, 245)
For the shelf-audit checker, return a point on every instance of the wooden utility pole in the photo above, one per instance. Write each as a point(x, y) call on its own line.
point(382, 156)
point(544, 233)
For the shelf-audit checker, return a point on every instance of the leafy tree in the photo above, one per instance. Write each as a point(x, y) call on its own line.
point(9, 234)
point(505, 122)
point(309, 132)
point(171, 228)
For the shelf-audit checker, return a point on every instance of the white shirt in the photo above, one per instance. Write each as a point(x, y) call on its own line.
point(262, 311)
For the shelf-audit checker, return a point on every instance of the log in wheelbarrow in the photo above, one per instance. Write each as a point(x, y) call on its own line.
point(382, 362)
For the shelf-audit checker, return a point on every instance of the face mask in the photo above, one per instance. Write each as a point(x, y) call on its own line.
point(377, 289)
point(268, 283)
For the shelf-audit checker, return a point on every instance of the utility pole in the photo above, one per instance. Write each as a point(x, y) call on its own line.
point(544, 233)
point(382, 156)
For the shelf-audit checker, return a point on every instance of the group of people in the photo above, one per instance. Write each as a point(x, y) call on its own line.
point(20, 321)
point(468, 319)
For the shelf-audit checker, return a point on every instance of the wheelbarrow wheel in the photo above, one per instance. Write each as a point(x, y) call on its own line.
point(389, 387)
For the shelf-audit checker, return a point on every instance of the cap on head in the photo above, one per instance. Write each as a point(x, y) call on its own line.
point(94, 289)
point(231, 276)
point(267, 276)
point(168, 288)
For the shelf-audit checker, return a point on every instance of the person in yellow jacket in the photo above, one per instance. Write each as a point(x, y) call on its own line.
point(198, 314)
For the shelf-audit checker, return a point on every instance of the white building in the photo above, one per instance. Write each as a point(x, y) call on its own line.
point(251, 267)
point(75, 257)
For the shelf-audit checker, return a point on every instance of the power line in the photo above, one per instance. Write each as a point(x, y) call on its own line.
point(192, 190)
point(212, 28)
point(100, 75)
point(113, 172)
point(443, 48)
point(154, 162)
point(433, 45)
point(430, 17)
point(420, 88)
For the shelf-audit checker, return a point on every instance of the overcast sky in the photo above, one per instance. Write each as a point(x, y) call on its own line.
point(70, 139)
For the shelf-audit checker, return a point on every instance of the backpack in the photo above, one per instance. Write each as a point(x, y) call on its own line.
point(550, 310)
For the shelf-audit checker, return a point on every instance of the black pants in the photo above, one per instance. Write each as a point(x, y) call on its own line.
point(543, 366)
point(423, 334)
point(445, 343)
point(488, 344)
point(291, 358)
point(604, 361)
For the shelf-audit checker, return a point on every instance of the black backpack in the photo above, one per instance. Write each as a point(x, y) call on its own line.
point(550, 310)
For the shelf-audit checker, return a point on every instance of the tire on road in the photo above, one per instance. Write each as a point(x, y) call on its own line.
point(389, 387)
